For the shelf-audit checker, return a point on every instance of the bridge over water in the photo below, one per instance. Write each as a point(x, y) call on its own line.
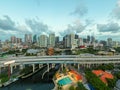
point(62, 59)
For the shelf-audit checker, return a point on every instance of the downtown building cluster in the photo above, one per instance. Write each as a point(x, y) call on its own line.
point(71, 41)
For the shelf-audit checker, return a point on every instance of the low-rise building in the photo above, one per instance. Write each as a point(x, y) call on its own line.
point(103, 75)
point(64, 80)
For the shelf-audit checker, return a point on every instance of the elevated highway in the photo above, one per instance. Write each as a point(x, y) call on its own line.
point(62, 59)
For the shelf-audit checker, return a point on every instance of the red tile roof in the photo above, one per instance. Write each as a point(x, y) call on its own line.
point(77, 75)
point(98, 72)
point(103, 75)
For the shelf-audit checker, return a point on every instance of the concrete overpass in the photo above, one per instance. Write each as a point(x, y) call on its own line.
point(63, 59)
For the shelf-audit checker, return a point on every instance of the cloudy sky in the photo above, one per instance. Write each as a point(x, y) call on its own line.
point(100, 18)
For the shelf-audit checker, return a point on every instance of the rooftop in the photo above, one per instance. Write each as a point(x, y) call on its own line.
point(103, 75)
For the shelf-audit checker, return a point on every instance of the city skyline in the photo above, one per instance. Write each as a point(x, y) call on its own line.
point(84, 17)
point(68, 41)
point(35, 37)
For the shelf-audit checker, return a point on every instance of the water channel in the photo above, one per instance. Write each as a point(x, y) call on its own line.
point(32, 83)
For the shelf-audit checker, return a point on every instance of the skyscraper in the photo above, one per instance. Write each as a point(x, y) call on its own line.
point(70, 41)
point(13, 39)
point(51, 40)
point(35, 39)
point(66, 40)
point(109, 42)
point(18, 40)
point(43, 41)
point(84, 40)
point(80, 41)
point(56, 39)
point(76, 36)
point(103, 42)
point(28, 38)
point(92, 39)
point(88, 39)
point(115, 44)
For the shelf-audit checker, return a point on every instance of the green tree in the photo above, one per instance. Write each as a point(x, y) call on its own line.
point(71, 87)
point(105, 67)
point(4, 77)
point(26, 70)
point(95, 81)
point(117, 75)
point(80, 86)
point(111, 82)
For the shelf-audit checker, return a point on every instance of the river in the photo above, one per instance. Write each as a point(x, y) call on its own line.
point(27, 85)
point(32, 83)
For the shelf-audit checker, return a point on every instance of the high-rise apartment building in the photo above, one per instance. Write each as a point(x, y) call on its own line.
point(84, 40)
point(88, 39)
point(66, 40)
point(70, 41)
point(92, 39)
point(35, 39)
point(109, 42)
point(43, 40)
point(57, 43)
point(18, 40)
point(13, 39)
point(76, 36)
point(51, 40)
point(56, 39)
point(28, 38)
point(103, 42)
point(80, 42)
point(115, 44)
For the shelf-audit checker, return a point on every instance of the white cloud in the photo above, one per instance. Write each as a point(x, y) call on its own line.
point(81, 10)
point(116, 11)
point(109, 27)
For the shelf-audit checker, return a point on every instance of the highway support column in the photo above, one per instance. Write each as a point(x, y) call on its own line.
point(48, 67)
point(11, 69)
point(33, 67)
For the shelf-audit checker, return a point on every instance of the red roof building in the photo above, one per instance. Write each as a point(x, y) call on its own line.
point(103, 75)
point(76, 75)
